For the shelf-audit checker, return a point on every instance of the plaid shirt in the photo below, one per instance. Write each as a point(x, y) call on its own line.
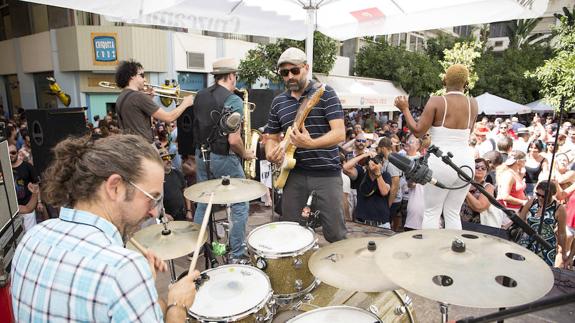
point(76, 269)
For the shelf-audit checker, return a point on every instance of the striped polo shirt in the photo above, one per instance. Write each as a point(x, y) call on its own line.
point(76, 269)
point(318, 162)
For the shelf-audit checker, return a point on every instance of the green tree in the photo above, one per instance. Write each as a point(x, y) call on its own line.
point(261, 61)
point(557, 76)
point(502, 73)
point(462, 53)
point(520, 33)
point(414, 72)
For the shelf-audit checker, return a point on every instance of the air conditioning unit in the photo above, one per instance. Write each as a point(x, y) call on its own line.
point(195, 60)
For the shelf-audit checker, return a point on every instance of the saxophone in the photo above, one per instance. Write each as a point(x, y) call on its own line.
point(251, 136)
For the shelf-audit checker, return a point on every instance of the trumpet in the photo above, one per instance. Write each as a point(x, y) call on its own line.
point(174, 93)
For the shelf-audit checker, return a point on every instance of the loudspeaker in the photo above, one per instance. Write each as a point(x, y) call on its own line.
point(263, 101)
point(47, 127)
point(185, 124)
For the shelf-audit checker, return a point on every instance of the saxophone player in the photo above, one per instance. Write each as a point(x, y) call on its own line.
point(226, 151)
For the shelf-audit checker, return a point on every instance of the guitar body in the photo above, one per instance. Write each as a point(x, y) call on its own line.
point(289, 161)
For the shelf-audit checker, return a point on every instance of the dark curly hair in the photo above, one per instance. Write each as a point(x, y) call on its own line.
point(125, 71)
point(80, 165)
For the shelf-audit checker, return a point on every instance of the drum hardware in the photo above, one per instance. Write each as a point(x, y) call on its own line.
point(298, 284)
point(200, 280)
point(403, 309)
point(297, 263)
point(261, 264)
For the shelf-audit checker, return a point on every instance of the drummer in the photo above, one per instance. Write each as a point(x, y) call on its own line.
point(75, 267)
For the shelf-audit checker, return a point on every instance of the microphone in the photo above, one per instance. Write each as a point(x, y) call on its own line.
point(229, 122)
point(306, 214)
point(414, 170)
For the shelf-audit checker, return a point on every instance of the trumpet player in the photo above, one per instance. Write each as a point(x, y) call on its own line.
point(135, 107)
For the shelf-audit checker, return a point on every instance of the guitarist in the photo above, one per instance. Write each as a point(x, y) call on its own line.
point(317, 166)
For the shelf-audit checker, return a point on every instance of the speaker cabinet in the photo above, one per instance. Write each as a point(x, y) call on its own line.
point(47, 127)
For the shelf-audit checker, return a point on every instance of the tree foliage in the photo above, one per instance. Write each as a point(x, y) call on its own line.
point(463, 53)
point(557, 76)
point(261, 61)
point(502, 73)
point(414, 72)
point(520, 33)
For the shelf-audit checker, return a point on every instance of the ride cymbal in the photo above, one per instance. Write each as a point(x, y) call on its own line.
point(464, 268)
point(350, 264)
point(179, 240)
point(227, 190)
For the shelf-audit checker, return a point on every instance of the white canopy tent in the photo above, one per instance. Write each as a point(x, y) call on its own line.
point(493, 105)
point(361, 92)
point(540, 106)
point(297, 19)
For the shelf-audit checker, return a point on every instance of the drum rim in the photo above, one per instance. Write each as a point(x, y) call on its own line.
point(278, 255)
point(292, 320)
point(265, 302)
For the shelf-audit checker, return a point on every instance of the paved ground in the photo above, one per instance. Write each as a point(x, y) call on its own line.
point(426, 310)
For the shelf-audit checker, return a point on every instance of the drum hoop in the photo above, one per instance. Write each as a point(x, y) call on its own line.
point(232, 318)
point(377, 319)
point(277, 255)
point(287, 297)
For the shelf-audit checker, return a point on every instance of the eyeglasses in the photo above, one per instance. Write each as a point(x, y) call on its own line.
point(479, 167)
point(285, 71)
point(167, 158)
point(156, 201)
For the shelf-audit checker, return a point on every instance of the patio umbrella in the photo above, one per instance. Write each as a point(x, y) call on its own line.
point(540, 106)
point(493, 105)
point(298, 19)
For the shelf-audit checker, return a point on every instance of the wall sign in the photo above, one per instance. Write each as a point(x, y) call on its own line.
point(105, 48)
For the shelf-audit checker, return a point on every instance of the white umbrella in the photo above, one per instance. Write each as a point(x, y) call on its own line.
point(297, 19)
point(540, 106)
point(493, 105)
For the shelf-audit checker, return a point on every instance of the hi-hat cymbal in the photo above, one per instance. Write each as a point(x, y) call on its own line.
point(234, 190)
point(349, 264)
point(178, 241)
point(487, 272)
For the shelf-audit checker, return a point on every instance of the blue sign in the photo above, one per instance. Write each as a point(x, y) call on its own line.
point(105, 48)
point(192, 81)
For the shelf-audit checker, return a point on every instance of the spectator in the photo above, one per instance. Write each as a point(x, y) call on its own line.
point(534, 164)
point(475, 202)
point(26, 184)
point(505, 146)
point(510, 184)
point(522, 142)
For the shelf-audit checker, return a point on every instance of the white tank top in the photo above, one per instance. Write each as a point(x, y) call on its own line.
point(442, 136)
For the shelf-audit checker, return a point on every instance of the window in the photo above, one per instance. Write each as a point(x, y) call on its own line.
point(499, 29)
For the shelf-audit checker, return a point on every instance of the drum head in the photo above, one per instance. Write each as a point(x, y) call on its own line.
point(281, 238)
point(232, 290)
point(336, 314)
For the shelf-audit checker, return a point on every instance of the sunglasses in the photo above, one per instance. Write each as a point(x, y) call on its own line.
point(13, 152)
point(141, 74)
point(167, 158)
point(540, 195)
point(480, 167)
point(285, 71)
point(156, 201)
point(360, 140)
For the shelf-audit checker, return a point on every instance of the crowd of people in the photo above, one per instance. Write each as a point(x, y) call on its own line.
point(128, 169)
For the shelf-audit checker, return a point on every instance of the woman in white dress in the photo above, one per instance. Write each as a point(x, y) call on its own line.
point(449, 120)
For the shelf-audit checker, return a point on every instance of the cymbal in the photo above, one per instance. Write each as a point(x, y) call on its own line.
point(349, 265)
point(179, 241)
point(237, 190)
point(488, 272)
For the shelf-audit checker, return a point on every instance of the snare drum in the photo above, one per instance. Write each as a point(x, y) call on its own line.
point(392, 306)
point(233, 293)
point(282, 250)
point(336, 314)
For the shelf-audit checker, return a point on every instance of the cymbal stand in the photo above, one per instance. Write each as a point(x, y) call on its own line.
point(211, 260)
point(165, 232)
point(443, 308)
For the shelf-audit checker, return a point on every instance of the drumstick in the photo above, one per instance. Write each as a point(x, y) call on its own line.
point(138, 246)
point(201, 234)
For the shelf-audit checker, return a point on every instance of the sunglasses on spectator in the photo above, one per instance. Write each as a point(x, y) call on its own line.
point(141, 74)
point(540, 195)
point(294, 70)
point(480, 167)
point(167, 158)
point(361, 140)
point(13, 152)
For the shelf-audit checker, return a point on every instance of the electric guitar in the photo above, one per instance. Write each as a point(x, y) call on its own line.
point(288, 163)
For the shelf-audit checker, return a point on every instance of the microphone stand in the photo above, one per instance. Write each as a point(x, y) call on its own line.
point(510, 214)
